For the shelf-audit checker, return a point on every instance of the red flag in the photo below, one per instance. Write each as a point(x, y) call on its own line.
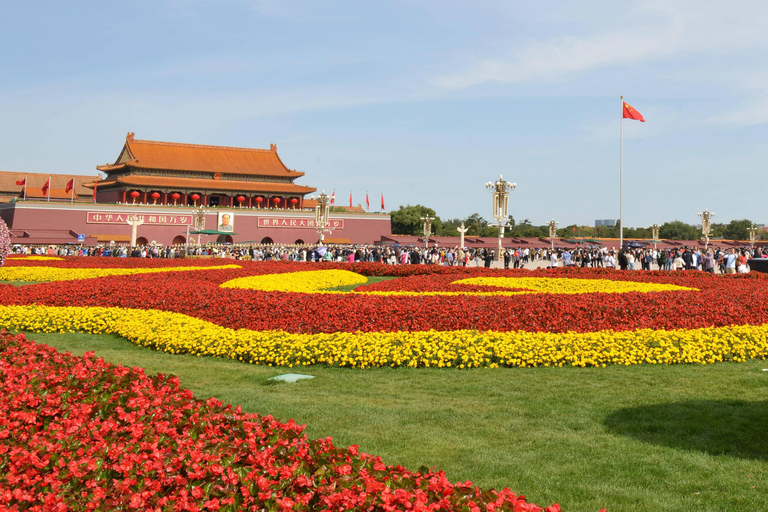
point(22, 182)
point(350, 199)
point(333, 197)
point(46, 186)
point(382, 202)
point(95, 183)
point(367, 202)
point(70, 185)
point(631, 113)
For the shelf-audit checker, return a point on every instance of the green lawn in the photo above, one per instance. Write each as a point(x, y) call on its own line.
point(642, 438)
point(370, 280)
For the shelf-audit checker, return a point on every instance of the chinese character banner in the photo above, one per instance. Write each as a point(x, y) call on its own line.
point(281, 222)
point(123, 218)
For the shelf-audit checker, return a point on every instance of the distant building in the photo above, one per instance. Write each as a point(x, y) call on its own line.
point(180, 193)
point(610, 223)
point(151, 172)
point(33, 182)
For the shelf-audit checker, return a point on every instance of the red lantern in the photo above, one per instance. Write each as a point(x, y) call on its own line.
point(259, 200)
point(134, 194)
point(240, 199)
point(276, 200)
point(175, 196)
point(294, 200)
point(195, 197)
point(155, 196)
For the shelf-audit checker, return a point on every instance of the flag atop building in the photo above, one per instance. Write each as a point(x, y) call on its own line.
point(70, 185)
point(47, 188)
point(333, 197)
point(350, 199)
point(23, 182)
point(367, 202)
point(382, 202)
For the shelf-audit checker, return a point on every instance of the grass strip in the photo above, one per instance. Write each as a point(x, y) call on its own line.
point(640, 438)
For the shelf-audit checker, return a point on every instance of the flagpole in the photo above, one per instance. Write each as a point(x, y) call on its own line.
point(49, 189)
point(25, 187)
point(621, 179)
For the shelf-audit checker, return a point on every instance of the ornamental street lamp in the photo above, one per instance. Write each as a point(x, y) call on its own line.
point(655, 234)
point(198, 217)
point(322, 213)
point(752, 236)
point(500, 194)
point(706, 225)
point(552, 233)
point(461, 229)
point(426, 224)
point(134, 221)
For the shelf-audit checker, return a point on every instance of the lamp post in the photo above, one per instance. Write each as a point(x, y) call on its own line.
point(552, 233)
point(655, 234)
point(426, 224)
point(706, 224)
point(752, 236)
point(322, 214)
point(134, 221)
point(500, 193)
point(198, 217)
point(461, 229)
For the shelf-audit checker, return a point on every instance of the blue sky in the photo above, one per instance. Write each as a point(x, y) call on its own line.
point(423, 101)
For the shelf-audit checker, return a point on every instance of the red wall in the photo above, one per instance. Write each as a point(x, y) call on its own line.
point(57, 223)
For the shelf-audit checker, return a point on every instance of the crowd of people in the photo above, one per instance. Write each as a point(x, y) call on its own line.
point(714, 259)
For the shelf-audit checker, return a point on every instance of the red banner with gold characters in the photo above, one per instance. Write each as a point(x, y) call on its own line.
point(285, 222)
point(122, 218)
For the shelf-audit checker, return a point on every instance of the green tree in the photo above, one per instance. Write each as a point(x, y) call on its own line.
point(638, 233)
point(525, 229)
point(477, 226)
point(569, 231)
point(737, 229)
point(406, 220)
point(448, 227)
point(678, 230)
point(717, 230)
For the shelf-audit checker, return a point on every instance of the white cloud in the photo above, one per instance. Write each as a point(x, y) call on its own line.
point(682, 32)
point(563, 55)
point(753, 113)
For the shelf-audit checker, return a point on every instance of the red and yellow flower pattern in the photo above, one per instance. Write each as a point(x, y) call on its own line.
point(281, 313)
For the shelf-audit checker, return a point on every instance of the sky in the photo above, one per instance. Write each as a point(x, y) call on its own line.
point(423, 102)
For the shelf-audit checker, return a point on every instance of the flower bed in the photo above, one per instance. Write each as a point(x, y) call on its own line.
point(35, 274)
point(454, 317)
point(80, 434)
point(24, 257)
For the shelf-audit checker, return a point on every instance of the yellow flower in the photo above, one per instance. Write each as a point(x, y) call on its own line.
point(50, 274)
point(180, 334)
point(306, 282)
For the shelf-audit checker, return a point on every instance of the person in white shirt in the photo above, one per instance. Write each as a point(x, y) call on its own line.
point(553, 259)
point(631, 260)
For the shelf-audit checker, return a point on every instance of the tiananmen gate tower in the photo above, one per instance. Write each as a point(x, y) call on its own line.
point(242, 194)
